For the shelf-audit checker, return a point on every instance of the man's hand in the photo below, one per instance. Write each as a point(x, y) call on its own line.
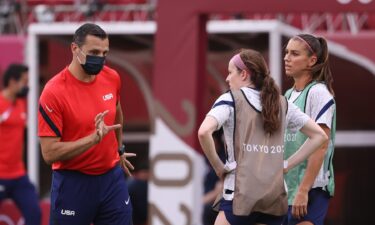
point(299, 207)
point(125, 164)
point(101, 128)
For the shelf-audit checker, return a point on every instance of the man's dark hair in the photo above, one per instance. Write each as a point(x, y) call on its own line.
point(88, 29)
point(14, 72)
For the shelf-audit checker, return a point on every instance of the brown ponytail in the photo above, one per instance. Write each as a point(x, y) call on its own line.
point(270, 98)
point(324, 74)
point(269, 92)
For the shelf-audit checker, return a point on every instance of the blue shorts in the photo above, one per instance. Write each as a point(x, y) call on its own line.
point(317, 207)
point(253, 218)
point(80, 199)
point(23, 193)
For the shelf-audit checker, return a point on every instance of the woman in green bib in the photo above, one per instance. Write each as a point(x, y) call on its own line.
point(310, 184)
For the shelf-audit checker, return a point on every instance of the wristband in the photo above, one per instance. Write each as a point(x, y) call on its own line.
point(121, 150)
point(285, 164)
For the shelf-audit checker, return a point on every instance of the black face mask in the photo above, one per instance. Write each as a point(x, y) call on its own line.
point(94, 64)
point(23, 92)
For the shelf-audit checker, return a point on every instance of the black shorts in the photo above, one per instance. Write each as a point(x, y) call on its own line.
point(317, 208)
point(253, 218)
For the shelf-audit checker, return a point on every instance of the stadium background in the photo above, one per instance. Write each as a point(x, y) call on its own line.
point(168, 85)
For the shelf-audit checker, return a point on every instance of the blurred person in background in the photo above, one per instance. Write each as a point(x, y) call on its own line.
point(14, 182)
point(77, 110)
point(138, 190)
point(254, 116)
point(310, 184)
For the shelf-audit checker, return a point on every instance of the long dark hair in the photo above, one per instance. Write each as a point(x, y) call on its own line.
point(269, 92)
point(321, 70)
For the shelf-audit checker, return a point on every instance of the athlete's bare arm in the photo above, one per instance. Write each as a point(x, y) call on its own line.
point(299, 207)
point(316, 139)
point(53, 149)
point(119, 119)
point(206, 140)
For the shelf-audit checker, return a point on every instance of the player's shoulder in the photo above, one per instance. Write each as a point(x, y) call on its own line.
point(319, 89)
point(224, 100)
point(225, 97)
point(56, 82)
point(318, 96)
point(109, 72)
point(109, 75)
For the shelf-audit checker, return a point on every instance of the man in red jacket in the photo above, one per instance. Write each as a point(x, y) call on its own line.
point(14, 182)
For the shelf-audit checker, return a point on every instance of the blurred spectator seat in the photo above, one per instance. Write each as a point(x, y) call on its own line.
point(50, 2)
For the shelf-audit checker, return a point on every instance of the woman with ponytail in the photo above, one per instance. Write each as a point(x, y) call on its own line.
point(311, 184)
point(254, 117)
